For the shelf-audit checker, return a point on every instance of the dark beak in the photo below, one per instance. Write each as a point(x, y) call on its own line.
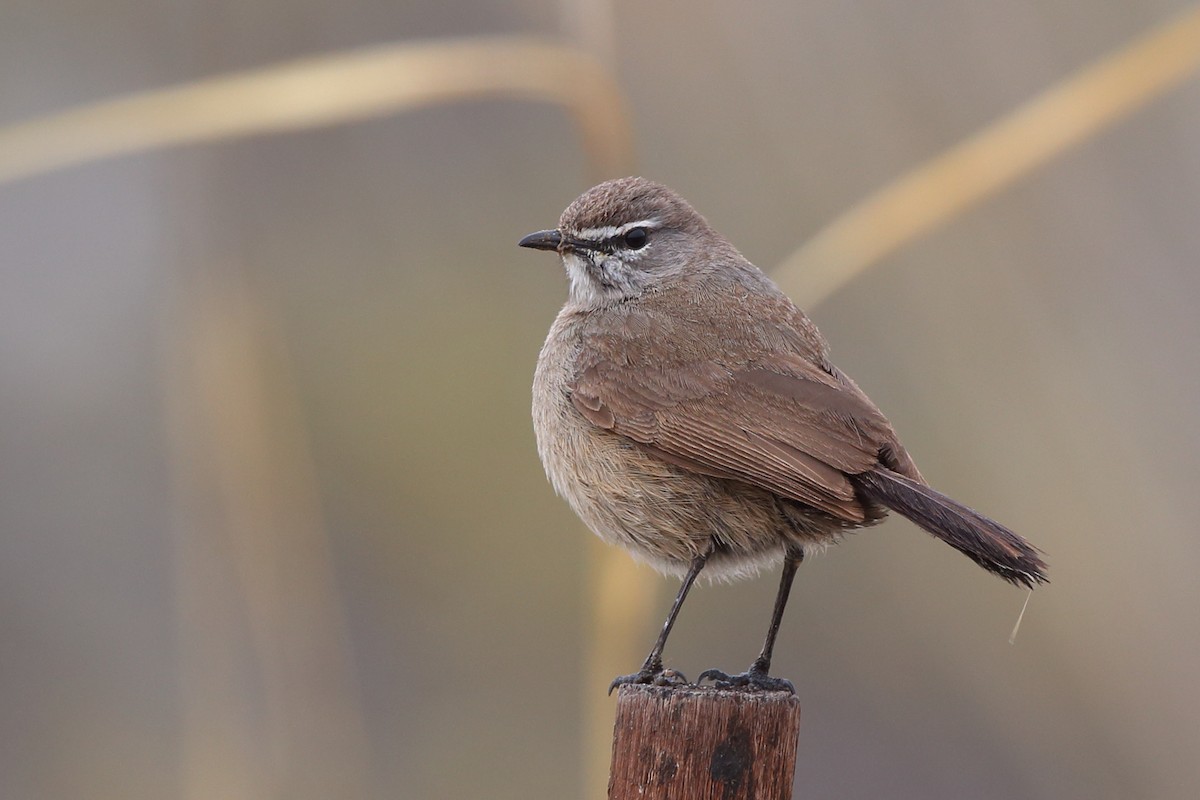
point(542, 240)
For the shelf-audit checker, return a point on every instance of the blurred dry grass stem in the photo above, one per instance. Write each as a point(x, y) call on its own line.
point(328, 90)
point(1079, 107)
point(249, 521)
point(621, 594)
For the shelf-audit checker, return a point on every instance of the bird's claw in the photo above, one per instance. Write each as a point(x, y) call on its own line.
point(650, 676)
point(753, 679)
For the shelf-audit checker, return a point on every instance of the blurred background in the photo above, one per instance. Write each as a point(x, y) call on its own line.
point(272, 523)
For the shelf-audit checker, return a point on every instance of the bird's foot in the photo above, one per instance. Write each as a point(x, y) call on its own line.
point(754, 679)
point(650, 675)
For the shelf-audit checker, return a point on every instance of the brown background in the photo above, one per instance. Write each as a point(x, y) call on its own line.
point(1039, 356)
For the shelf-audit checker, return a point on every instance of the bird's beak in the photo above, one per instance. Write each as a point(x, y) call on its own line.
point(542, 240)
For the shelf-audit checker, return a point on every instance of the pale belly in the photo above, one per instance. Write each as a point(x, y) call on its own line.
point(660, 513)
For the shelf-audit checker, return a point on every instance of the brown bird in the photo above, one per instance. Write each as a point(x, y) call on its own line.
point(687, 411)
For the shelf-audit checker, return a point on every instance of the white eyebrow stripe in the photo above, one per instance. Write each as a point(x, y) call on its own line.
point(610, 231)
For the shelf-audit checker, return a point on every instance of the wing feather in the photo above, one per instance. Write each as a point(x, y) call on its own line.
point(783, 424)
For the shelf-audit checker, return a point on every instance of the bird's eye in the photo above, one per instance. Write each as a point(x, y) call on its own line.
point(636, 238)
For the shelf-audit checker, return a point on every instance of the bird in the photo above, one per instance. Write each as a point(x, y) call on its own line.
point(688, 411)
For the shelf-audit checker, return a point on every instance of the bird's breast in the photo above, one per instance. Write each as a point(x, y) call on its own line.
point(661, 513)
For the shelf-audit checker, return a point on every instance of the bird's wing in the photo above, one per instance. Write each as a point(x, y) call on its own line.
point(781, 423)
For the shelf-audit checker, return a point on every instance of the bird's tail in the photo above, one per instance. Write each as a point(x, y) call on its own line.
point(989, 544)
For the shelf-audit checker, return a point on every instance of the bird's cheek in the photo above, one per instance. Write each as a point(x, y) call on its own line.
point(620, 276)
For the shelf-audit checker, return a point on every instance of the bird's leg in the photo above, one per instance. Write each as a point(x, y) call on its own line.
point(652, 669)
point(757, 676)
point(762, 664)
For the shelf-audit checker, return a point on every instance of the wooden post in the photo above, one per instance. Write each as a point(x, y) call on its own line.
point(696, 743)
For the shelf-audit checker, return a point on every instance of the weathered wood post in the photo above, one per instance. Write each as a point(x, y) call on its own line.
point(696, 743)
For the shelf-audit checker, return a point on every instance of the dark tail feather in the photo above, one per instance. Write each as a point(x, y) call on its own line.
point(987, 543)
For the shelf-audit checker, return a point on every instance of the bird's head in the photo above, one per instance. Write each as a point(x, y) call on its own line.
point(625, 237)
